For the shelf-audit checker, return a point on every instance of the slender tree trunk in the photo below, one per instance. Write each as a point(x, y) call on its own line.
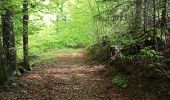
point(98, 27)
point(145, 16)
point(26, 64)
point(154, 17)
point(3, 74)
point(154, 25)
point(164, 15)
point(95, 26)
point(138, 16)
point(9, 42)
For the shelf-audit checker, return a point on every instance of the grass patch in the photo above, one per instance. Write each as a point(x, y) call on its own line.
point(51, 55)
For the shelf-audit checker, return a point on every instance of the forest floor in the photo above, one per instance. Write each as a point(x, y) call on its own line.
point(68, 77)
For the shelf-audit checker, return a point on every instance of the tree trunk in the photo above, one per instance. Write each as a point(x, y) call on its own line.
point(164, 15)
point(145, 16)
point(154, 25)
point(138, 16)
point(3, 74)
point(9, 42)
point(154, 17)
point(26, 64)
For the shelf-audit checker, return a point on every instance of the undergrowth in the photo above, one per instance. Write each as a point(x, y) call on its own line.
point(120, 81)
point(43, 43)
point(98, 53)
point(141, 65)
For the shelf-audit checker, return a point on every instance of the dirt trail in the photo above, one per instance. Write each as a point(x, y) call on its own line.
point(67, 78)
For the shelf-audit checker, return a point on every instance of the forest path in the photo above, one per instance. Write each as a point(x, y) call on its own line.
point(67, 78)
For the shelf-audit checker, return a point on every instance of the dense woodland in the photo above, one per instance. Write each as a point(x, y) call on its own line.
point(130, 38)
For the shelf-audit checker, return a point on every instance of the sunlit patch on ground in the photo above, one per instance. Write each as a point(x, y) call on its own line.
point(33, 77)
point(70, 55)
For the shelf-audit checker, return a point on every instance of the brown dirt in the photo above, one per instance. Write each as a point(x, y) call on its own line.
point(67, 78)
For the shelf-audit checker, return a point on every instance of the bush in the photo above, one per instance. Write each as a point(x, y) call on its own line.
point(120, 81)
point(99, 53)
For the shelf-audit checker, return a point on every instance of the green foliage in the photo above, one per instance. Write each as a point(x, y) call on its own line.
point(151, 66)
point(120, 81)
point(51, 28)
point(127, 57)
point(99, 53)
point(125, 40)
point(147, 51)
